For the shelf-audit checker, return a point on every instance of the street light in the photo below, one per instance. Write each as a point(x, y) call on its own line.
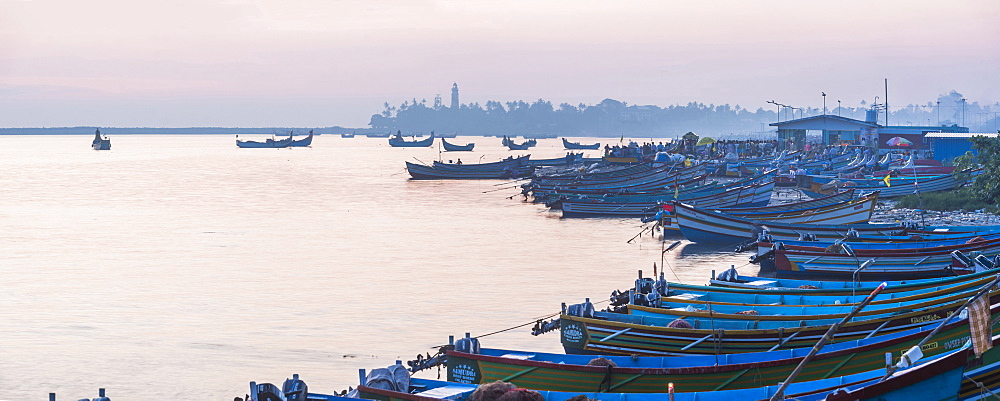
point(779, 108)
point(838, 108)
point(824, 103)
point(963, 111)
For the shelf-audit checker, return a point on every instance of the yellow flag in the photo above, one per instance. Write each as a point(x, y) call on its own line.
point(687, 162)
point(886, 180)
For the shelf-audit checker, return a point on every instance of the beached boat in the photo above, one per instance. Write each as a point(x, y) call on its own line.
point(817, 186)
point(397, 141)
point(693, 373)
point(578, 146)
point(100, 143)
point(957, 373)
point(750, 195)
point(611, 333)
point(840, 263)
point(457, 148)
point(701, 225)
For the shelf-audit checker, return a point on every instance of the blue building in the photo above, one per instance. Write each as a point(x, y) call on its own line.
point(837, 130)
point(949, 145)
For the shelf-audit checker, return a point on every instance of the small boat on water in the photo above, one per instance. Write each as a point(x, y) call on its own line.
point(347, 135)
point(457, 148)
point(100, 143)
point(578, 146)
point(397, 141)
point(269, 143)
point(299, 143)
point(510, 144)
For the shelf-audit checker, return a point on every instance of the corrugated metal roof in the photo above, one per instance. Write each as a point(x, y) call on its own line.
point(959, 135)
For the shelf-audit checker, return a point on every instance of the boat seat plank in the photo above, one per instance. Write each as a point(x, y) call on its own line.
point(449, 392)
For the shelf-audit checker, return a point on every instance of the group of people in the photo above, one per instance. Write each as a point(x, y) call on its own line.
point(634, 149)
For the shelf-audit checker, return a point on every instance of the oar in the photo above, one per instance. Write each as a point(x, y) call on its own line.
point(780, 393)
point(637, 235)
point(499, 189)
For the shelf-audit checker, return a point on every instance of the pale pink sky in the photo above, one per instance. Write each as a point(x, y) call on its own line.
point(252, 63)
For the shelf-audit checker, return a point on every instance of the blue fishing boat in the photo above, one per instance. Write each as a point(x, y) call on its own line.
point(397, 141)
point(457, 148)
point(307, 141)
point(269, 143)
point(100, 143)
point(510, 144)
point(578, 146)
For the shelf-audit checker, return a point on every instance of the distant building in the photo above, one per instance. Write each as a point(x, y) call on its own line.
point(636, 114)
point(837, 130)
point(437, 102)
point(454, 96)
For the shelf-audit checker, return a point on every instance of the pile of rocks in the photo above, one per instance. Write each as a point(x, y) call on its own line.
point(887, 212)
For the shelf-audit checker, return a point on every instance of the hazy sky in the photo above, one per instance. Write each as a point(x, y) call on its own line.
point(262, 63)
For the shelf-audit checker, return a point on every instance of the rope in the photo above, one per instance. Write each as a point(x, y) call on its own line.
point(525, 324)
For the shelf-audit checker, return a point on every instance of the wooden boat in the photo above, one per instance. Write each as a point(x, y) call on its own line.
point(815, 186)
point(577, 146)
point(951, 374)
point(851, 211)
point(667, 192)
point(676, 295)
point(651, 180)
point(948, 375)
point(694, 373)
point(269, 143)
point(626, 335)
point(510, 144)
point(307, 141)
point(700, 225)
point(759, 195)
point(973, 377)
point(457, 148)
point(733, 279)
point(666, 307)
point(397, 141)
point(100, 143)
point(438, 390)
point(513, 169)
point(883, 263)
point(347, 135)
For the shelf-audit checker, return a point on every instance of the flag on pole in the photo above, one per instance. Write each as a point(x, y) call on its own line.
point(979, 325)
point(687, 162)
point(886, 180)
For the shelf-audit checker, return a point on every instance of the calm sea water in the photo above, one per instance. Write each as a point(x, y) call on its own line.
point(183, 267)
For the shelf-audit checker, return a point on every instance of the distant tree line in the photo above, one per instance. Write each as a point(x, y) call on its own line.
point(611, 118)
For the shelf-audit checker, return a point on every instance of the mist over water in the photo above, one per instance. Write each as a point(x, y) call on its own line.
point(182, 267)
